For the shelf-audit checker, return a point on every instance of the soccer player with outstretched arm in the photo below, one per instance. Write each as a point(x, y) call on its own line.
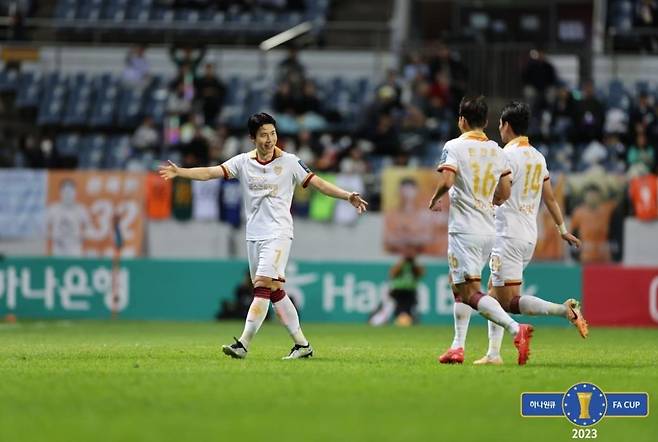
point(516, 230)
point(267, 177)
point(472, 169)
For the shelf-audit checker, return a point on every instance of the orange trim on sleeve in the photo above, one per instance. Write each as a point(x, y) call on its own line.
point(307, 180)
point(226, 177)
point(446, 166)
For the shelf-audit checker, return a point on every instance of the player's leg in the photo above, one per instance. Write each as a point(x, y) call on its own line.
point(461, 312)
point(274, 258)
point(495, 334)
point(478, 251)
point(516, 257)
point(258, 308)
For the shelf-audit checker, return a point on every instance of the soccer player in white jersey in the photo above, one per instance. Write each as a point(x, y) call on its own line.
point(268, 177)
point(473, 170)
point(516, 230)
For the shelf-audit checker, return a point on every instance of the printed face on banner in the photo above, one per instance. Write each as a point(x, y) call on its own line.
point(82, 209)
point(410, 227)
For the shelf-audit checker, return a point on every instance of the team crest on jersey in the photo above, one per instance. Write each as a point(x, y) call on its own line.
point(278, 170)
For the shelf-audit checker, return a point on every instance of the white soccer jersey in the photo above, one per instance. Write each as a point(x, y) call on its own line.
point(267, 190)
point(517, 217)
point(478, 164)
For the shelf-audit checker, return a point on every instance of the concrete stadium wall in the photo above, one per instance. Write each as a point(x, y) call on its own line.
point(245, 62)
point(212, 240)
point(627, 68)
point(640, 242)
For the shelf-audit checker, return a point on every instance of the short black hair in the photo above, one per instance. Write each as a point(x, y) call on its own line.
point(257, 120)
point(517, 115)
point(408, 181)
point(474, 110)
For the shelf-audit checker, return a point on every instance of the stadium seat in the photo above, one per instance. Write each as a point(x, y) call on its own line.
point(106, 91)
point(8, 80)
point(129, 109)
point(67, 145)
point(89, 10)
point(117, 152)
point(78, 102)
point(52, 103)
point(155, 100)
point(29, 90)
point(115, 10)
point(65, 10)
point(92, 151)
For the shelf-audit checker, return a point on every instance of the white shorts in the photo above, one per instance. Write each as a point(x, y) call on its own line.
point(269, 257)
point(508, 259)
point(467, 255)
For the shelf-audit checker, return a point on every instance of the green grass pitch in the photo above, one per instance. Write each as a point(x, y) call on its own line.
point(135, 381)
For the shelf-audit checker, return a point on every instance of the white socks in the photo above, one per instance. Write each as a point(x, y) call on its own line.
point(287, 312)
point(491, 309)
point(462, 316)
point(531, 305)
point(496, 333)
point(255, 318)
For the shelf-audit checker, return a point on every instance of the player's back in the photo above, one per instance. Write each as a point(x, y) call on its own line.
point(478, 164)
point(517, 217)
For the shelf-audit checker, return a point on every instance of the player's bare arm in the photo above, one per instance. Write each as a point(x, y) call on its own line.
point(554, 209)
point(171, 171)
point(334, 191)
point(503, 190)
point(446, 180)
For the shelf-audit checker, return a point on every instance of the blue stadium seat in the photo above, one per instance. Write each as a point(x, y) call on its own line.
point(65, 10)
point(67, 145)
point(78, 102)
point(189, 16)
point(155, 100)
point(92, 151)
point(52, 103)
point(9, 80)
point(115, 10)
point(117, 152)
point(29, 90)
point(106, 90)
point(139, 10)
point(89, 10)
point(129, 109)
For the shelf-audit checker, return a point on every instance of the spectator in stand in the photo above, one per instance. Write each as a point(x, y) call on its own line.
point(646, 18)
point(562, 115)
point(420, 96)
point(310, 103)
point(292, 71)
point(136, 71)
point(283, 102)
point(642, 115)
point(449, 63)
point(440, 88)
point(416, 69)
point(179, 103)
point(392, 83)
point(210, 91)
point(146, 137)
point(187, 56)
point(197, 150)
point(385, 137)
point(440, 119)
point(591, 222)
point(590, 115)
point(539, 77)
point(641, 152)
